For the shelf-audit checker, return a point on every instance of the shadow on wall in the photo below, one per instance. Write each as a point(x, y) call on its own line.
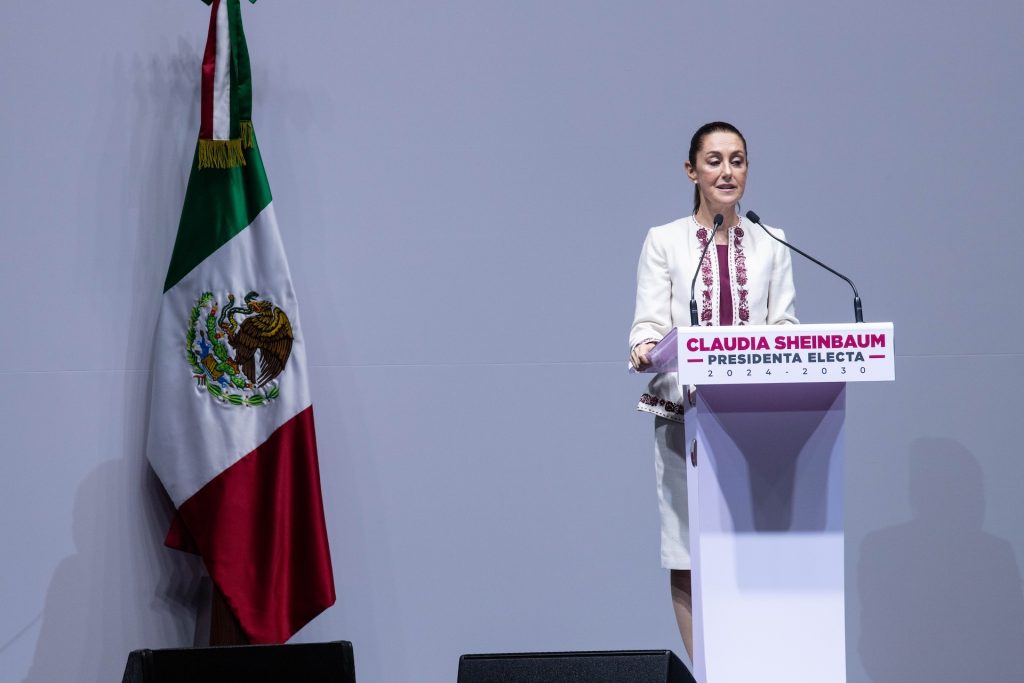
point(941, 598)
point(120, 587)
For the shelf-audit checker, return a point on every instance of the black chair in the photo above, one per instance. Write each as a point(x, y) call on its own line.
point(308, 662)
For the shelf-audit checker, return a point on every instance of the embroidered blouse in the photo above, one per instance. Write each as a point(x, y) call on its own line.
point(755, 277)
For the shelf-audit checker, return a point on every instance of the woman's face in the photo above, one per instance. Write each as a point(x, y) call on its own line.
point(721, 171)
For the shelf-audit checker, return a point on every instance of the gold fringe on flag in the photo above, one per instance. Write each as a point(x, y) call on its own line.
point(220, 153)
point(246, 127)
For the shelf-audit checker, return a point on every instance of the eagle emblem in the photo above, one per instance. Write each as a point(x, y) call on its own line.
point(236, 352)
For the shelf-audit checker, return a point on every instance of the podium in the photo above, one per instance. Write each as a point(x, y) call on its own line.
point(765, 468)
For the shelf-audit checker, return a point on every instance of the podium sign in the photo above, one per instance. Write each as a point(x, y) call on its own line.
point(775, 354)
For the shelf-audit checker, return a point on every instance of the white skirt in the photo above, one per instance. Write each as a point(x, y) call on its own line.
point(670, 468)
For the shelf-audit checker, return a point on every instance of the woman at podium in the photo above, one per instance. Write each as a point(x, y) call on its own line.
point(745, 278)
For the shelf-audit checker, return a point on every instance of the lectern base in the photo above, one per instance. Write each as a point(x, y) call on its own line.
point(766, 528)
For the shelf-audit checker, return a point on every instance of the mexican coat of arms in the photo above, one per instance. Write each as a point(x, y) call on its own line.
point(237, 355)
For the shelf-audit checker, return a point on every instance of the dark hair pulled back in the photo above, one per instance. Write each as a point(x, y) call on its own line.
point(697, 141)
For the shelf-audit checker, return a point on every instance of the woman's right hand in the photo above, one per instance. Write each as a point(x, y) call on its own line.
point(638, 356)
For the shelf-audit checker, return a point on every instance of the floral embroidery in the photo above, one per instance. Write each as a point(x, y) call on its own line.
point(656, 402)
point(738, 264)
point(741, 275)
point(707, 276)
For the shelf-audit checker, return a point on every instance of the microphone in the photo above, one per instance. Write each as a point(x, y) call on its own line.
point(858, 314)
point(694, 321)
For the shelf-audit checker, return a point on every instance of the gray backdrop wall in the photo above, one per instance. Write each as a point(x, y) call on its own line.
point(463, 189)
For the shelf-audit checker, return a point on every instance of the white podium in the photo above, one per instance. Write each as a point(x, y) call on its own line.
point(766, 494)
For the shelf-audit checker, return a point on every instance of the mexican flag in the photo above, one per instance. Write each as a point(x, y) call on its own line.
point(231, 431)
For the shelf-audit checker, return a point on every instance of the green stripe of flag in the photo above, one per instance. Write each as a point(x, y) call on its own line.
point(219, 204)
point(241, 74)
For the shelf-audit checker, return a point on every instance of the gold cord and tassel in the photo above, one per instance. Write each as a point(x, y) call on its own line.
point(220, 154)
point(247, 134)
point(226, 153)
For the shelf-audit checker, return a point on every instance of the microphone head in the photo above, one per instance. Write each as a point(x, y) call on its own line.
point(753, 217)
point(719, 219)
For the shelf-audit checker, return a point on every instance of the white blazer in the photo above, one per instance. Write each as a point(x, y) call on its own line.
point(760, 278)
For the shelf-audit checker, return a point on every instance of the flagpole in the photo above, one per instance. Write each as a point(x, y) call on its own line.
point(224, 627)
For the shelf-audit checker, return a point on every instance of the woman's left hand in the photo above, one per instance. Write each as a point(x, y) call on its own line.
point(638, 356)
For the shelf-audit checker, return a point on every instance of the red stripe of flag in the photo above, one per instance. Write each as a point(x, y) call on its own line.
point(209, 66)
point(259, 527)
